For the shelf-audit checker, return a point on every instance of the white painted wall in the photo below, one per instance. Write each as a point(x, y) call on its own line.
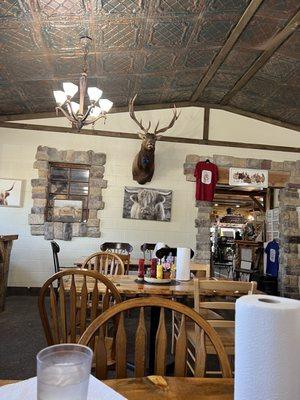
point(31, 261)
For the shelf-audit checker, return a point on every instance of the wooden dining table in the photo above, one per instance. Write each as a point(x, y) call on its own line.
point(199, 269)
point(170, 388)
point(128, 285)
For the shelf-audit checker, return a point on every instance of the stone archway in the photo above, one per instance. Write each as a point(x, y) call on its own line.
point(284, 175)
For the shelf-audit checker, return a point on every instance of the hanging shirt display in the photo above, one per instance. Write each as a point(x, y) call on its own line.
point(272, 251)
point(206, 174)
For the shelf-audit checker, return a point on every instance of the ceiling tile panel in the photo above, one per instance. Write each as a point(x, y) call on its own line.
point(57, 8)
point(122, 34)
point(120, 7)
point(17, 37)
point(176, 7)
point(169, 33)
point(63, 36)
point(213, 32)
point(199, 58)
point(159, 60)
point(31, 68)
point(117, 63)
point(11, 9)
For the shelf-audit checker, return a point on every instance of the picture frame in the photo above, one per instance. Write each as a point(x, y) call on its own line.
point(67, 210)
point(11, 192)
point(248, 177)
point(147, 204)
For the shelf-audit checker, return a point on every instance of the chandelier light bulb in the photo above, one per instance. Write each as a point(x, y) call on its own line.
point(94, 94)
point(95, 112)
point(105, 105)
point(70, 89)
point(60, 97)
point(75, 107)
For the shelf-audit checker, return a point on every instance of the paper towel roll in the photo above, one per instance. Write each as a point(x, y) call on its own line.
point(183, 264)
point(267, 348)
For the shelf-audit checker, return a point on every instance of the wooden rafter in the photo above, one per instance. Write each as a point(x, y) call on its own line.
point(265, 56)
point(233, 37)
point(125, 135)
point(206, 124)
point(258, 203)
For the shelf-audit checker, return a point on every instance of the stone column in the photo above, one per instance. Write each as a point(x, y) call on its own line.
point(289, 231)
point(202, 223)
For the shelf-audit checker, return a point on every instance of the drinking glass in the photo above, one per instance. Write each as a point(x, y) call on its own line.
point(63, 372)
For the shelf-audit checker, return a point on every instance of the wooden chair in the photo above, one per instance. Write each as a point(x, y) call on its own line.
point(115, 247)
point(72, 308)
point(55, 250)
point(118, 313)
point(123, 250)
point(105, 263)
point(147, 249)
point(219, 296)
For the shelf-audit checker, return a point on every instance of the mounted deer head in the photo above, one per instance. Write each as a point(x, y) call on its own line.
point(143, 163)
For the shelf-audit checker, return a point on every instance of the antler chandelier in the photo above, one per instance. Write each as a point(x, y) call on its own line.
point(75, 112)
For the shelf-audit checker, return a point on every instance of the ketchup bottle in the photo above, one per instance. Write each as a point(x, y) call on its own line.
point(153, 267)
point(141, 270)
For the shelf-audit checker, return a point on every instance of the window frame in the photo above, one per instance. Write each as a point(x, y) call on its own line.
point(69, 196)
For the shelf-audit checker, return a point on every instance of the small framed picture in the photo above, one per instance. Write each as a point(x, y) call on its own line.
point(10, 192)
point(67, 210)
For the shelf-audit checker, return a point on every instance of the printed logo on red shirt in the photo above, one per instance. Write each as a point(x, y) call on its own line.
point(206, 177)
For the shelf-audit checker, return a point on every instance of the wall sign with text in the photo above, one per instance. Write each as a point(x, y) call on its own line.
point(248, 177)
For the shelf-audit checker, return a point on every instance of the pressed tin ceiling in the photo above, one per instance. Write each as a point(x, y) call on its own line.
point(160, 49)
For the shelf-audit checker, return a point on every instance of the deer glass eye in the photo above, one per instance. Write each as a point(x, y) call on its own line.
point(142, 136)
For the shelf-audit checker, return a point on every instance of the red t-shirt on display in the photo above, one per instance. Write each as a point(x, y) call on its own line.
point(206, 174)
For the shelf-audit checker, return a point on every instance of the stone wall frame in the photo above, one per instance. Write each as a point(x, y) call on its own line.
point(289, 215)
point(66, 230)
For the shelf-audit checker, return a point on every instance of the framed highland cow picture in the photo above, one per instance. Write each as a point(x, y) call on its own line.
point(10, 192)
point(147, 204)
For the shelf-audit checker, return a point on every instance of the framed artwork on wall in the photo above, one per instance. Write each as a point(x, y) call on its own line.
point(10, 192)
point(248, 177)
point(147, 204)
point(67, 211)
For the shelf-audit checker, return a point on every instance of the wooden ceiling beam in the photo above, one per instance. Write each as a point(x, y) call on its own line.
point(126, 135)
point(206, 124)
point(221, 56)
point(273, 45)
point(235, 192)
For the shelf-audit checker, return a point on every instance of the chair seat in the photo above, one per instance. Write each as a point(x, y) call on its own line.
point(205, 313)
point(226, 335)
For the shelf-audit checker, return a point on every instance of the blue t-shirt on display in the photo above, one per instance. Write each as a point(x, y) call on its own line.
point(272, 251)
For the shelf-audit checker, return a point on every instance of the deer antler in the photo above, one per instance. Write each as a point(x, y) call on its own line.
point(172, 122)
point(132, 115)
